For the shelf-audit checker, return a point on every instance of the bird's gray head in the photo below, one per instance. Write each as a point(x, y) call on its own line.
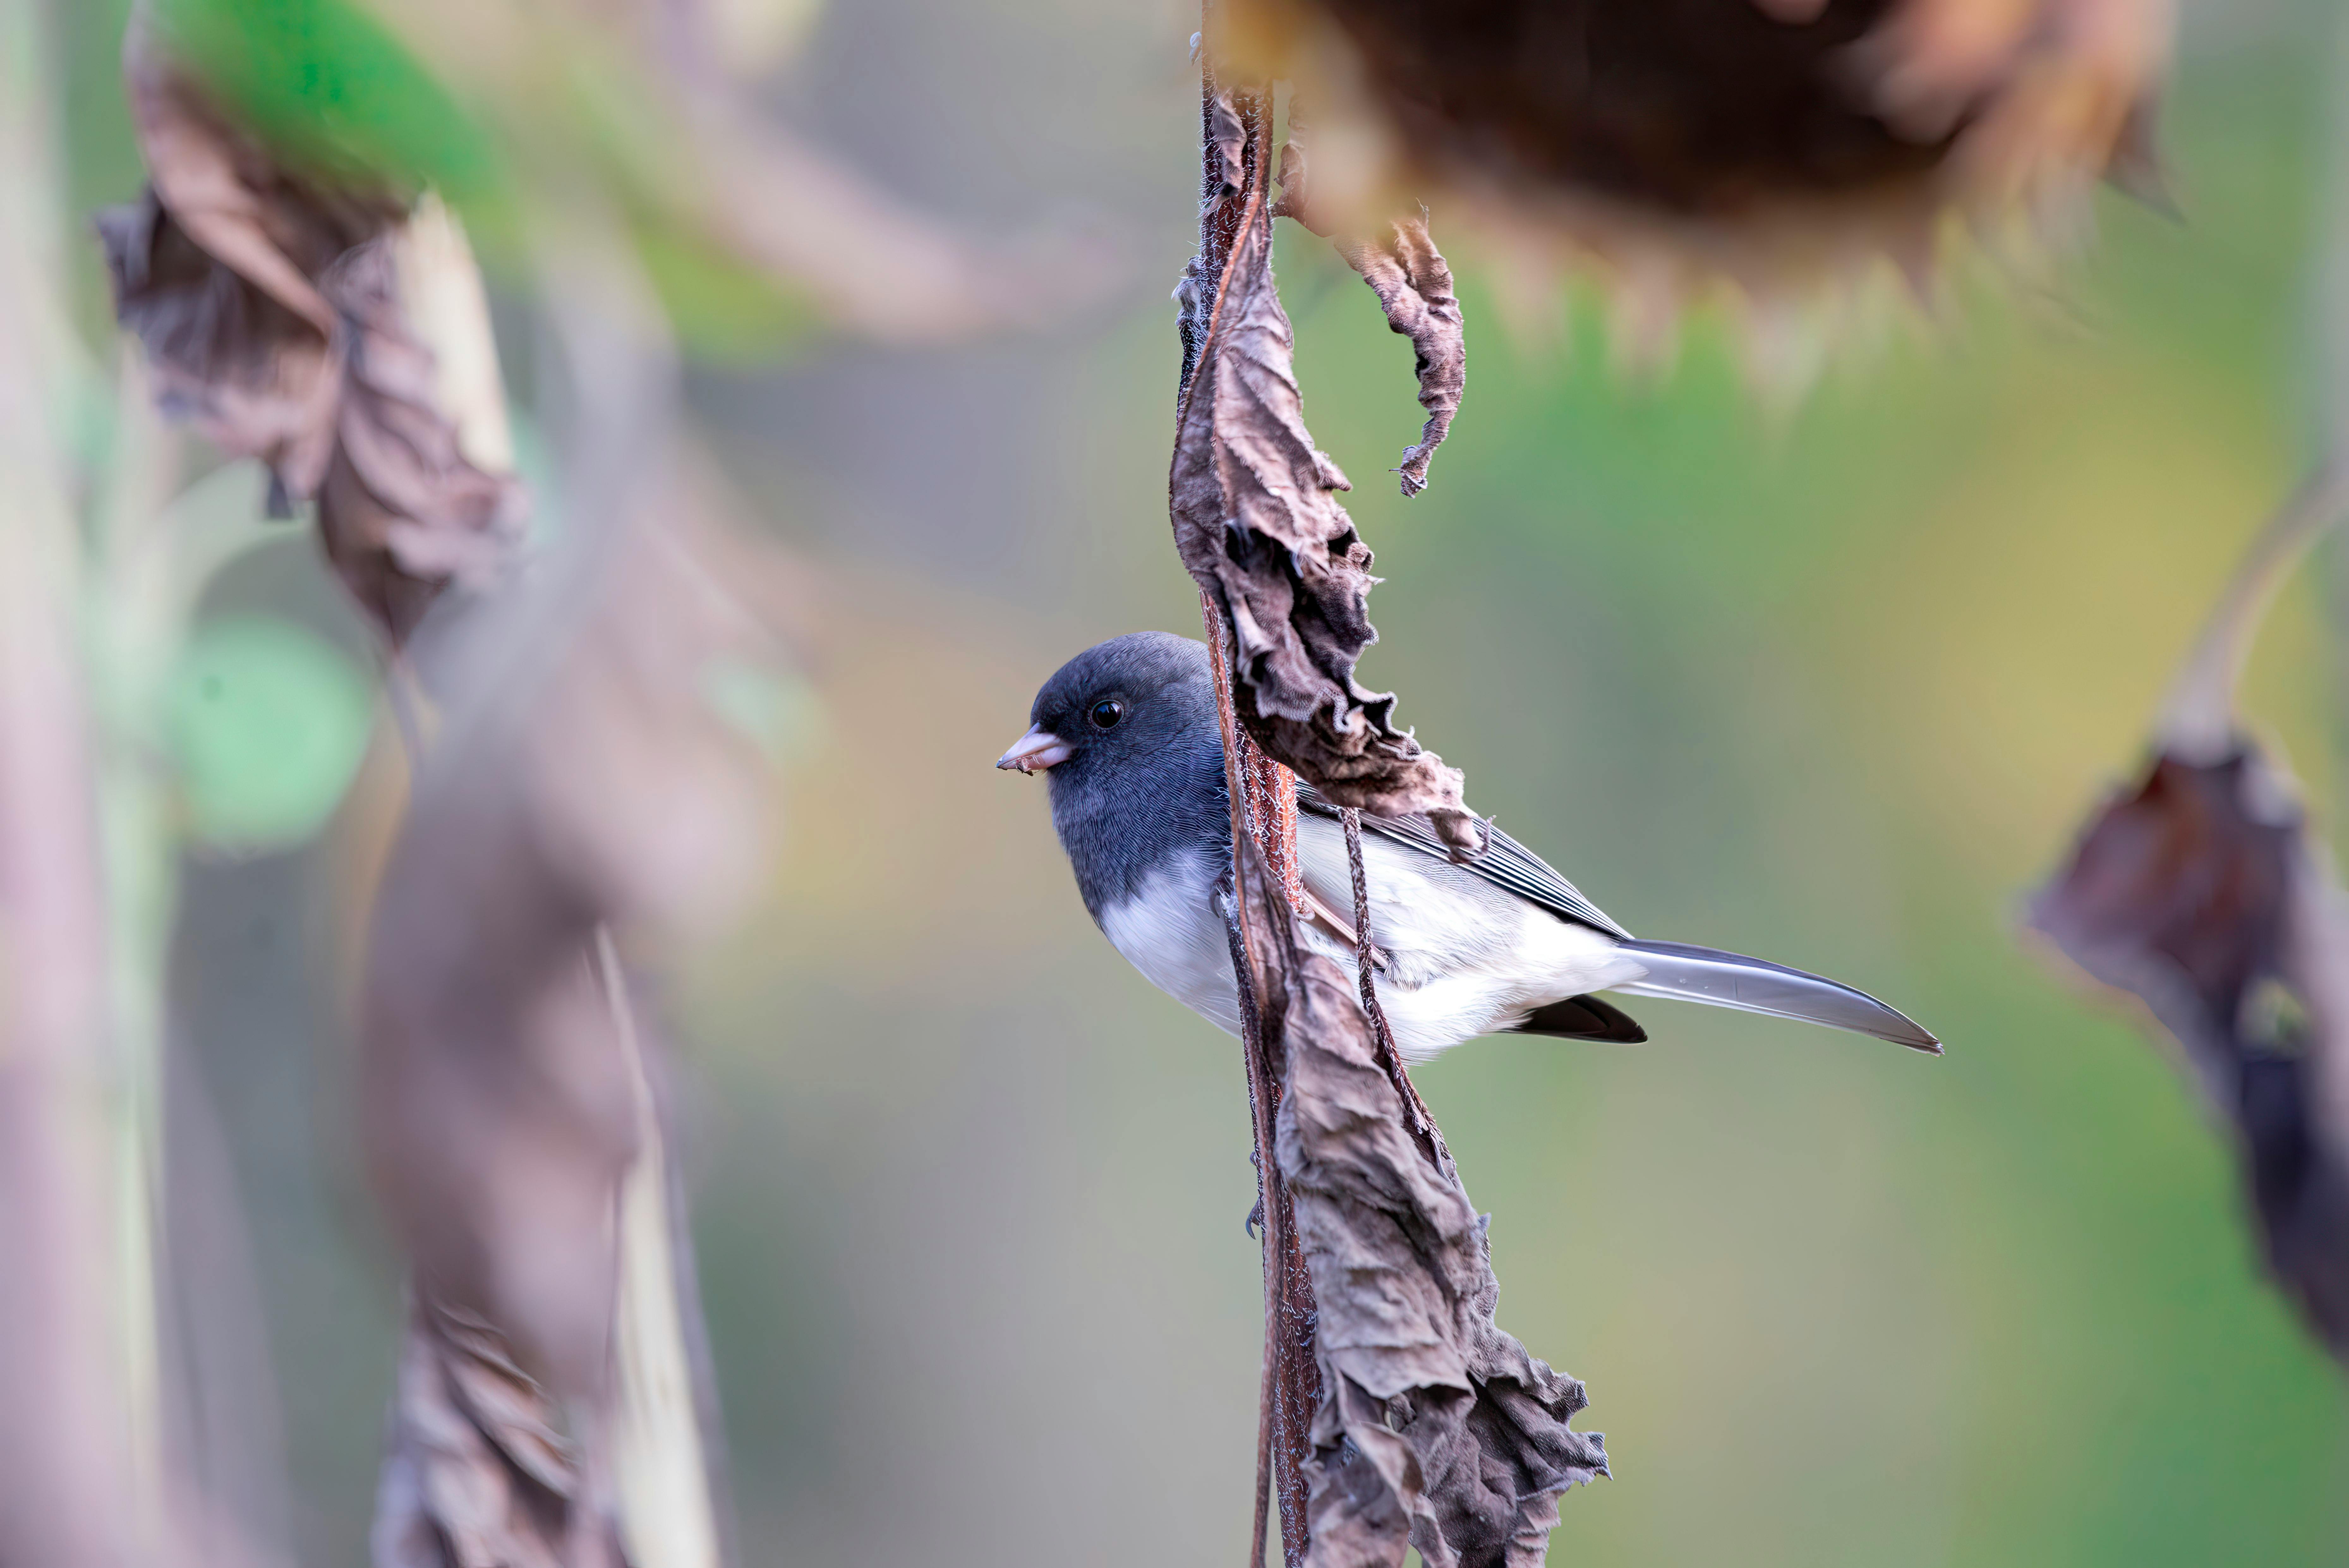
point(1127, 734)
point(1117, 703)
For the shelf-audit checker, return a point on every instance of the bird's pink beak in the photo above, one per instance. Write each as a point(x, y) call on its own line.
point(1038, 750)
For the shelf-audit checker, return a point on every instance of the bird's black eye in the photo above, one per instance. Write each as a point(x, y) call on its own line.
point(1105, 715)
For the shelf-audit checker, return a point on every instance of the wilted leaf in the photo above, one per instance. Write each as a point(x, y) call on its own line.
point(216, 270)
point(1257, 522)
point(269, 305)
point(1429, 1427)
point(402, 513)
point(1414, 284)
point(1438, 1431)
point(2197, 891)
point(478, 1472)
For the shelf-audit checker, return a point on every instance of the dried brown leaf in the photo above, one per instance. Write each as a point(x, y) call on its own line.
point(2195, 892)
point(478, 1470)
point(401, 513)
point(1414, 284)
point(1440, 1432)
point(1257, 523)
point(216, 269)
point(2177, 893)
point(2198, 892)
point(498, 1114)
point(268, 304)
point(1429, 1427)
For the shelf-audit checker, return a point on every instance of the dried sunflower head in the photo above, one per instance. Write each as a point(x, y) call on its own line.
point(1776, 152)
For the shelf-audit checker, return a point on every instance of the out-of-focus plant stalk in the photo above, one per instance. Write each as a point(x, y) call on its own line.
point(2329, 376)
point(659, 1465)
point(660, 1468)
point(71, 1299)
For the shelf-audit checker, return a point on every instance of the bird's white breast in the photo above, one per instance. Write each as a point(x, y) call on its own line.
point(1462, 957)
point(1171, 931)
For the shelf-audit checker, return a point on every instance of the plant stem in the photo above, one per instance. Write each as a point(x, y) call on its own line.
point(65, 1455)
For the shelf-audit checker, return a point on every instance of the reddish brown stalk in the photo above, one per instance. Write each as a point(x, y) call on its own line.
point(1290, 1390)
point(1262, 795)
point(1260, 1121)
point(1422, 1124)
point(1224, 212)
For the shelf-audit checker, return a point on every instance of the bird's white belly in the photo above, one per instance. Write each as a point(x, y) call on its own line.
point(1549, 962)
point(1171, 932)
point(1461, 963)
point(1464, 958)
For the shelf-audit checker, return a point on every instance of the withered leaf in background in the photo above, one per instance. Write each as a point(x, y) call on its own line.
point(2197, 890)
point(582, 784)
point(478, 1469)
point(265, 299)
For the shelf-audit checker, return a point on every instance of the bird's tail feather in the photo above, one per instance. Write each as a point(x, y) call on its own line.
point(1721, 979)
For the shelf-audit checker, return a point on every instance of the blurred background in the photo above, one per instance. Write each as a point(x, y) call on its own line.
point(1828, 681)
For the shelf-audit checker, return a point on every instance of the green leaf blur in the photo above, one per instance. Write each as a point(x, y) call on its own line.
point(323, 80)
point(267, 724)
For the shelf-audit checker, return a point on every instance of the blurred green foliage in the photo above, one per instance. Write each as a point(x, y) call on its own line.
point(327, 81)
point(267, 724)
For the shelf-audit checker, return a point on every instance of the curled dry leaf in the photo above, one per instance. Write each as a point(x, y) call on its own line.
point(1257, 522)
point(267, 302)
point(2198, 892)
point(402, 513)
point(2195, 892)
point(1414, 284)
point(1784, 148)
point(1438, 1430)
point(478, 1472)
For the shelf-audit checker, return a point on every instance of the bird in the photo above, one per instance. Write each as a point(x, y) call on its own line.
point(1127, 736)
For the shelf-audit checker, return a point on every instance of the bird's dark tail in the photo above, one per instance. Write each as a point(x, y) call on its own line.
point(1721, 979)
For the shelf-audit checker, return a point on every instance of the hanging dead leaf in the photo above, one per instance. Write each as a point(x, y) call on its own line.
point(216, 270)
point(2195, 892)
point(1257, 523)
point(268, 304)
point(2198, 892)
point(1438, 1430)
point(478, 1470)
point(1414, 284)
point(401, 513)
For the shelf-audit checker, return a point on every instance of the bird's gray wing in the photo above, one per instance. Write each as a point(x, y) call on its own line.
point(1506, 864)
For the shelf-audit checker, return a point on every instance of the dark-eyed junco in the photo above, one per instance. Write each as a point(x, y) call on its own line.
point(1128, 735)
